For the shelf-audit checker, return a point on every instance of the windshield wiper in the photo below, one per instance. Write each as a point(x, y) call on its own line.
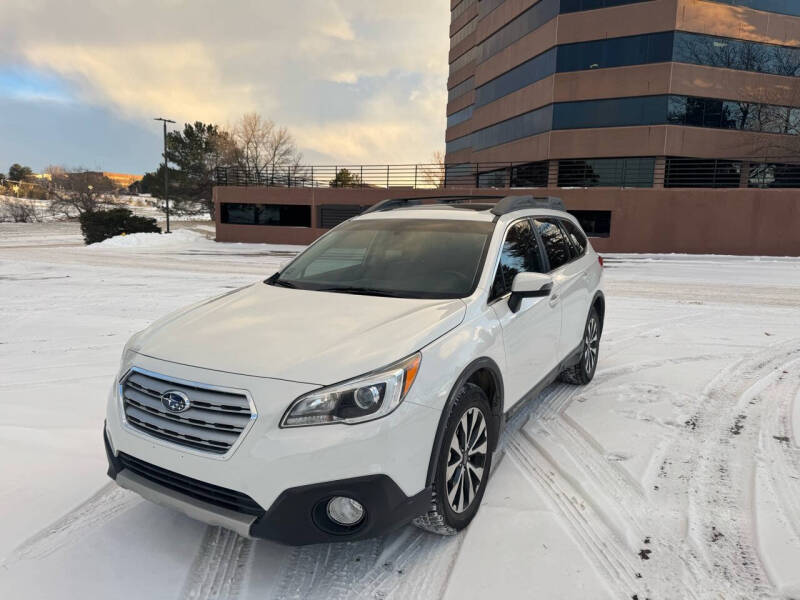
point(362, 291)
point(275, 280)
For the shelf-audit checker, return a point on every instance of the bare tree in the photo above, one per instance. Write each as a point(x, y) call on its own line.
point(433, 174)
point(265, 147)
point(20, 210)
point(76, 192)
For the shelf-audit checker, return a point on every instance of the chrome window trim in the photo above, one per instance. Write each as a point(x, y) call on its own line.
point(188, 383)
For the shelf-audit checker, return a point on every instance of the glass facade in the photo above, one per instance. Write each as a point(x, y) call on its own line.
point(616, 52)
point(533, 18)
point(736, 54)
point(290, 215)
point(517, 78)
point(613, 112)
point(568, 6)
point(459, 117)
point(525, 125)
point(462, 88)
point(607, 172)
point(702, 173)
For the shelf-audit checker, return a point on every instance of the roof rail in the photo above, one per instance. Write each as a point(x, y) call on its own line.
point(392, 203)
point(514, 203)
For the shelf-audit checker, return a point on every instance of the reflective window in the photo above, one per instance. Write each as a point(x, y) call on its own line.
point(575, 236)
point(774, 175)
point(530, 175)
point(736, 54)
point(459, 117)
point(606, 172)
point(614, 112)
point(568, 6)
point(525, 125)
point(786, 7)
point(520, 254)
point(596, 223)
point(416, 258)
point(462, 88)
point(533, 18)
point(460, 35)
point(702, 173)
point(517, 78)
point(555, 243)
point(290, 215)
point(616, 52)
point(465, 141)
point(730, 114)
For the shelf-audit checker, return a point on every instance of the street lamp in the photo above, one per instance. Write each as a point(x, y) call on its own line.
point(166, 166)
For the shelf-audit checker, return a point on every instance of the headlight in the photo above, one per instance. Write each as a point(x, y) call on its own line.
point(368, 397)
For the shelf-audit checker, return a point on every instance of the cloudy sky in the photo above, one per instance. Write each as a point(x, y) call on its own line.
point(356, 81)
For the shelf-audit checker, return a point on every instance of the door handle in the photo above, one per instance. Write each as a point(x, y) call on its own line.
point(553, 299)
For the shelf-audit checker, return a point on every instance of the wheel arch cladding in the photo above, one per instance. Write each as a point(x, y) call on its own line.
point(484, 373)
point(599, 304)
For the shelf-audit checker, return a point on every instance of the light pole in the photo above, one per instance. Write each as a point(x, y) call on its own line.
point(166, 166)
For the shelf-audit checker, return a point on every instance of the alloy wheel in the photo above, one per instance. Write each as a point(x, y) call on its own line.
point(591, 343)
point(466, 460)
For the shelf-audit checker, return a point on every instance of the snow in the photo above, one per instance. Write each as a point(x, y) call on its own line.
point(675, 473)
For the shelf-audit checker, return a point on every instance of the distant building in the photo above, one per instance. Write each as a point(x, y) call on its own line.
point(122, 179)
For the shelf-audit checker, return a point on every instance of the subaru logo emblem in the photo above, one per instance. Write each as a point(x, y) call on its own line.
point(175, 401)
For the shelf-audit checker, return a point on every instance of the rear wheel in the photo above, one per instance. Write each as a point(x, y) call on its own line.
point(463, 464)
point(583, 372)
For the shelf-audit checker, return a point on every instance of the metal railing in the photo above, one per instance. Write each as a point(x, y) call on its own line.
point(643, 172)
point(416, 176)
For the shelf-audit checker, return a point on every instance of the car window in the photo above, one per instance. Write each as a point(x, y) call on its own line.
point(520, 253)
point(576, 236)
point(555, 243)
point(407, 258)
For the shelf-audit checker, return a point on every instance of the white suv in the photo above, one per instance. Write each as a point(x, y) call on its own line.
point(367, 383)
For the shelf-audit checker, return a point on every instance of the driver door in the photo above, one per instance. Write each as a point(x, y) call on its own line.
point(530, 335)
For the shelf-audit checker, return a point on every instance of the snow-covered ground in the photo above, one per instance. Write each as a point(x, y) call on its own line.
point(674, 474)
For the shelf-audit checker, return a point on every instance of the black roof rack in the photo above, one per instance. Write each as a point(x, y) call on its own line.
point(393, 203)
point(502, 206)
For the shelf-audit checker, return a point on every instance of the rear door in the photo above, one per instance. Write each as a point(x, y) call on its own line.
point(531, 335)
point(570, 287)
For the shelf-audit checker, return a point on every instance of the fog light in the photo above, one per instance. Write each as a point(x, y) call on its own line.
point(345, 511)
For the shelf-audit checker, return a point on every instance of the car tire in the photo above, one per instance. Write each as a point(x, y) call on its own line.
point(463, 464)
point(583, 371)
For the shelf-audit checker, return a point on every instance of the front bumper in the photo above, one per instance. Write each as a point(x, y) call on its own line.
point(296, 517)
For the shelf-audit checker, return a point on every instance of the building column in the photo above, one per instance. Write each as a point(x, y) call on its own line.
point(659, 172)
point(744, 174)
point(552, 174)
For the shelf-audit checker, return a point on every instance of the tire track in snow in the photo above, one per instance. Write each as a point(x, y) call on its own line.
point(105, 505)
point(605, 549)
point(220, 567)
point(718, 469)
point(408, 563)
point(775, 443)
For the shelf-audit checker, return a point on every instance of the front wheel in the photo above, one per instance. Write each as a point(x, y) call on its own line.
point(583, 372)
point(463, 464)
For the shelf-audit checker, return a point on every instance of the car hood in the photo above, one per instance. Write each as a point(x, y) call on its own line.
point(298, 335)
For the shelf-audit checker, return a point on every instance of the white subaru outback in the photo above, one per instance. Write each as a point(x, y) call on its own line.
point(366, 384)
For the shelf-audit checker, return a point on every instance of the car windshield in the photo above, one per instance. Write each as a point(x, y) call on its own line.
point(406, 258)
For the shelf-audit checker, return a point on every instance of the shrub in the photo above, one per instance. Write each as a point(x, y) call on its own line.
point(100, 225)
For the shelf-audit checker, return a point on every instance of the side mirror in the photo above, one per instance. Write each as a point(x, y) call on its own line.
point(529, 285)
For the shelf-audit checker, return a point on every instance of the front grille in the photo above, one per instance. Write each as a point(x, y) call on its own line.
point(213, 494)
point(213, 423)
